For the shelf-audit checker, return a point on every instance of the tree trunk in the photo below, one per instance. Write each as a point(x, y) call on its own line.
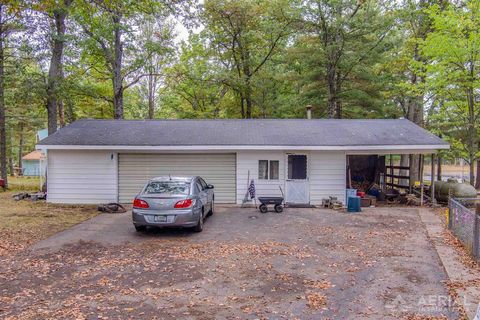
point(415, 114)
point(242, 105)
point(477, 180)
point(472, 133)
point(415, 171)
point(338, 101)
point(10, 164)
point(439, 168)
point(61, 113)
point(70, 111)
point(472, 172)
point(151, 96)
point(60, 104)
point(248, 86)
point(331, 83)
point(56, 68)
point(117, 79)
point(404, 162)
point(20, 149)
point(248, 100)
point(3, 138)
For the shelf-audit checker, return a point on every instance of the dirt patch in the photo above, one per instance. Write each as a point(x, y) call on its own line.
point(24, 222)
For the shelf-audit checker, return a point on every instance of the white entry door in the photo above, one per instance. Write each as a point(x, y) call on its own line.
point(297, 185)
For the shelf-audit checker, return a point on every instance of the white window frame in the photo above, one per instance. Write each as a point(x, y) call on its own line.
point(269, 165)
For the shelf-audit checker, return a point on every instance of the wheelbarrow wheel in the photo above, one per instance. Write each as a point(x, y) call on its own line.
point(278, 208)
point(263, 208)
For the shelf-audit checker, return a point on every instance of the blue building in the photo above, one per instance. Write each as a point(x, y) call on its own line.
point(31, 164)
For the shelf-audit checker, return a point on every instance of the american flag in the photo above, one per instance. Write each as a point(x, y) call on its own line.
point(251, 189)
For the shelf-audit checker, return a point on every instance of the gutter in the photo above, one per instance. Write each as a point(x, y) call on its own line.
point(423, 148)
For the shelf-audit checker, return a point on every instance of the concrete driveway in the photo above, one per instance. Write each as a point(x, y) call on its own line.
point(302, 264)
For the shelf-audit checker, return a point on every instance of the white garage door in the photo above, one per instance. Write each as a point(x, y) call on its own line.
point(218, 169)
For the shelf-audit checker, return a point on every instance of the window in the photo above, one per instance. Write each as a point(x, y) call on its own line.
point(263, 169)
point(203, 183)
point(167, 187)
point(274, 165)
point(268, 169)
point(297, 166)
point(199, 186)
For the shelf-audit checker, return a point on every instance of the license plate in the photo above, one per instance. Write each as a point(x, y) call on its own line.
point(160, 218)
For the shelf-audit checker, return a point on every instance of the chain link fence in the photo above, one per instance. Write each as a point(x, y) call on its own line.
point(464, 222)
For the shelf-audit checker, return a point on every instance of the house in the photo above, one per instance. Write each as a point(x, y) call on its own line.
point(99, 161)
point(31, 164)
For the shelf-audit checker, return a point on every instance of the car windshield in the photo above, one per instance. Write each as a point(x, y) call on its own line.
point(168, 187)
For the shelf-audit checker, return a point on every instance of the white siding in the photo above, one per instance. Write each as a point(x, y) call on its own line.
point(248, 160)
point(327, 175)
point(218, 169)
point(81, 177)
point(92, 176)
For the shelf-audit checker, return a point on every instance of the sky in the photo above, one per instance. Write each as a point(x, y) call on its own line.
point(182, 31)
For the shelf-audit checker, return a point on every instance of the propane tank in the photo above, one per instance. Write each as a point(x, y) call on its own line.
point(455, 189)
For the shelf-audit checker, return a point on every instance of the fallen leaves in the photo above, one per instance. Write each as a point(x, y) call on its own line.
point(316, 301)
point(323, 284)
point(423, 317)
point(464, 256)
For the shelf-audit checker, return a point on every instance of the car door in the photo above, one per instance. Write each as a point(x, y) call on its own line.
point(209, 192)
point(203, 195)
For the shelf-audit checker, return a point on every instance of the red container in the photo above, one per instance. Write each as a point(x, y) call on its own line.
point(361, 194)
point(2, 183)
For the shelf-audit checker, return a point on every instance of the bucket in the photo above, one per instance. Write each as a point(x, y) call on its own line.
point(354, 204)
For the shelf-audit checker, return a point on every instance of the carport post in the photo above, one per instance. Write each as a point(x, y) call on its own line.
point(432, 184)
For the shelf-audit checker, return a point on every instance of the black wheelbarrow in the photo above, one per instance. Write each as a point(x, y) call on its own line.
point(277, 203)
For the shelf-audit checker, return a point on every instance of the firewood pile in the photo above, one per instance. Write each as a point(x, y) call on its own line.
point(361, 186)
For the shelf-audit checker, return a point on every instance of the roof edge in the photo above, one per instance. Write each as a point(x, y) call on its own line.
point(238, 119)
point(244, 147)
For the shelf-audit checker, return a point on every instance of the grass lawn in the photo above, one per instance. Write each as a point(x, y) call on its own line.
point(23, 183)
point(25, 222)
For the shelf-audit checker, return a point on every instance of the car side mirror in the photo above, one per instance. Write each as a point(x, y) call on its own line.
point(210, 186)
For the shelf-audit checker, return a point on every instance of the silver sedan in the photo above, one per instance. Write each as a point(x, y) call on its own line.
point(173, 202)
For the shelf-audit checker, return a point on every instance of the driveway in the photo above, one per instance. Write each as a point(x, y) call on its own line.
point(302, 264)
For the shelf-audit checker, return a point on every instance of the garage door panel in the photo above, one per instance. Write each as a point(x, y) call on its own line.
point(216, 169)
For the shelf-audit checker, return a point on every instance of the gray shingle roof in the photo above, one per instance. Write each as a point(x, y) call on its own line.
point(255, 132)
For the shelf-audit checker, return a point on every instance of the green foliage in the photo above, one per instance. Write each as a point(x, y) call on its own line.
point(252, 58)
point(193, 90)
point(454, 75)
point(348, 39)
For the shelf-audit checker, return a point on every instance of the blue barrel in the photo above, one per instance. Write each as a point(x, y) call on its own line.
point(354, 204)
